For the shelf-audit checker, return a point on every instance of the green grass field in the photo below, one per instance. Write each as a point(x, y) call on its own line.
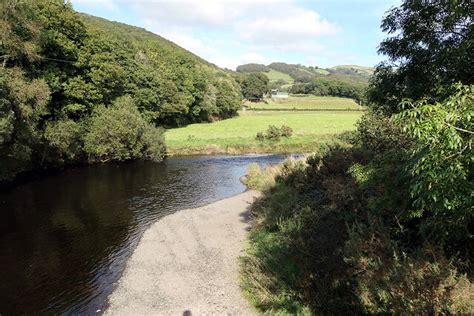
point(237, 135)
point(274, 75)
point(322, 71)
point(306, 103)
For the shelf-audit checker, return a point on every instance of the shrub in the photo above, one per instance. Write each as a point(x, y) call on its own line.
point(441, 167)
point(63, 137)
point(274, 133)
point(120, 133)
point(260, 136)
point(380, 134)
point(330, 237)
point(286, 131)
point(390, 281)
point(154, 143)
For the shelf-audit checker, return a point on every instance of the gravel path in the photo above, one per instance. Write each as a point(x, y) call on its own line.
point(186, 264)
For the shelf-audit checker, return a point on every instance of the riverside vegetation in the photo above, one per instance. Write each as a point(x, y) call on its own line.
point(379, 220)
point(78, 89)
point(382, 221)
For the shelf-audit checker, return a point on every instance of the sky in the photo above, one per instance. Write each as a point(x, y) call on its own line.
point(229, 33)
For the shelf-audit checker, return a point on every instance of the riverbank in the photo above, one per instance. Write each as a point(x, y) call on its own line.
point(188, 263)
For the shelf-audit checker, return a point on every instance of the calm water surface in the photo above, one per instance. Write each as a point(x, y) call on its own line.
point(65, 239)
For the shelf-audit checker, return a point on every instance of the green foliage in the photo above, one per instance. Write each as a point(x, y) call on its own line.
point(429, 48)
point(384, 226)
point(120, 133)
point(305, 102)
point(304, 74)
point(254, 86)
point(390, 281)
point(19, 33)
point(298, 73)
point(323, 86)
point(258, 179)
point(23, 102)
point(275, 133)
point(321, 240)
point(380, 134)
point(248, 68)
point(64, 139)
point(286, 131)
point(354, 70)
point(441, 165)
point(62, 70)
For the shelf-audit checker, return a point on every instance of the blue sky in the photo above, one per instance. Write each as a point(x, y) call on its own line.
point(228, 33)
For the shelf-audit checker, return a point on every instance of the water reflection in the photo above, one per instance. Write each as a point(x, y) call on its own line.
point(64, 240)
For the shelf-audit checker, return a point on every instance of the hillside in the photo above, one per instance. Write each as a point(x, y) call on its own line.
point(291, 73)
point(133, 34)
point(81, 89)
point(348, 81)
point(275, 75)
point(360, 71)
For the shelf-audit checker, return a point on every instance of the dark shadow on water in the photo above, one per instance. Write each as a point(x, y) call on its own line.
point(65, 238)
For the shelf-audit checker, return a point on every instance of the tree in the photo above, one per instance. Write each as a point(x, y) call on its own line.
point(431, 47)
point(442, 165)
point(61, 73)
point(248, 68)
point(120, 133)
point(22, 103)
point(254, 86)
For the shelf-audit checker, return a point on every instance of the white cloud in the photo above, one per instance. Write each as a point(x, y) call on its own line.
point(293, 24)
point(189, 42)
point(248, 30)
point(203, 13)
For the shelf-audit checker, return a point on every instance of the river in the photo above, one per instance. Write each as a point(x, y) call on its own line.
point(65, 238)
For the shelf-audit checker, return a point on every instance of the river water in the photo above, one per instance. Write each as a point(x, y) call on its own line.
point(65, 239)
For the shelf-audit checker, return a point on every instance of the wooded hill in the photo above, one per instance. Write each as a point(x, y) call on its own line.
point(349, 81)
point(76, 88)
point(301, 73)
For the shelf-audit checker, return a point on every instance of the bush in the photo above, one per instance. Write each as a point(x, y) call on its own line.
point(260, 136)
point(63, 137)
point(120, 133)
point(380, 134)
point(274, 133)
point(330, 236)
point(286, 131)
point(394, 282)
point(441, 168)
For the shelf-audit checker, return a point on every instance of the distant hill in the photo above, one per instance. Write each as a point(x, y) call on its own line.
point(283, 75)
point(248, 68)
point(354, 70)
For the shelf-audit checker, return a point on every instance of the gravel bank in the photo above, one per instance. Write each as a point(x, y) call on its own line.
point(186, 263)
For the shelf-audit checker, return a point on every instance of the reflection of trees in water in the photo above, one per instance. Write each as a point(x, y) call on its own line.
point(65, 239)
point(64, 228)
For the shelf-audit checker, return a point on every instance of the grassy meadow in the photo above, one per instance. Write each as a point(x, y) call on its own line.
point(237, 135)
point(305, 103)
point(275, 75)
